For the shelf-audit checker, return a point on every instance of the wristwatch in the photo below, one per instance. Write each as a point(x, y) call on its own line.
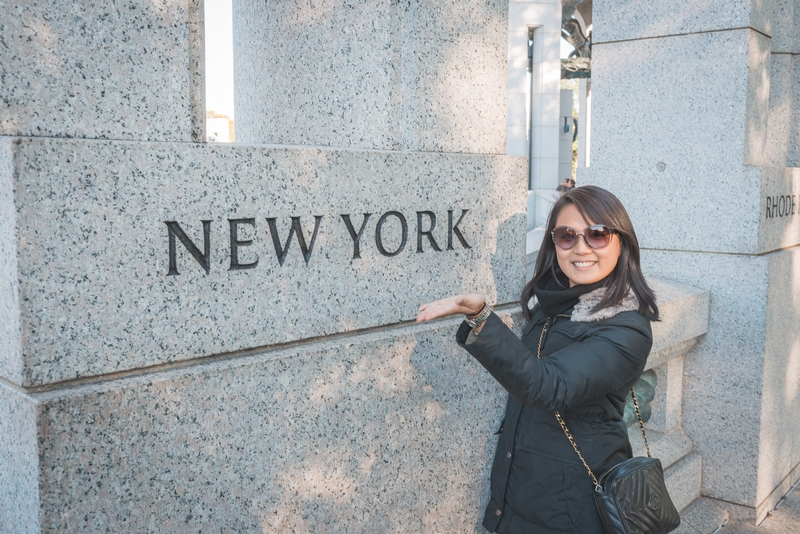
point(477, 320)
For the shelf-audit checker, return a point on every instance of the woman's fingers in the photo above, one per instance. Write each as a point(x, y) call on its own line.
point(456, 304)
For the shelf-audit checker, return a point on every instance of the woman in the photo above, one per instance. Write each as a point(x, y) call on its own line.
point(589, 311)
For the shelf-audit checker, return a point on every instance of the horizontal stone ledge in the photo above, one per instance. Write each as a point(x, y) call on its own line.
point(387, 335)
point(672, 298)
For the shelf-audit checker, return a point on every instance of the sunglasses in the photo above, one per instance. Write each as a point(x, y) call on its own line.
point(595, 236)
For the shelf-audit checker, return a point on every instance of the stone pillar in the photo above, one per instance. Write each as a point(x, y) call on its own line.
point(399, 77)
point(584, 121)
point(214, 337)
point(694, 127)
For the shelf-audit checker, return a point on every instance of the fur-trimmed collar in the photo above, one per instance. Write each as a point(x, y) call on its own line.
point(582, 312)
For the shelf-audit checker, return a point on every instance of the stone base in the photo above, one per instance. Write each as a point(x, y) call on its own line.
point(384, 430)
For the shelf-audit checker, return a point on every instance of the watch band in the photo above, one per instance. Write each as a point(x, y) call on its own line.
point(479, 319)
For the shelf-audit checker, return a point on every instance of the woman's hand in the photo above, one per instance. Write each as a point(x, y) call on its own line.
point(464, 304)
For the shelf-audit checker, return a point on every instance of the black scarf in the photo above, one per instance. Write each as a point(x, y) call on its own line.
point(555, 296)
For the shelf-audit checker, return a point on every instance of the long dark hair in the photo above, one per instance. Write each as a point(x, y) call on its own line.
point(599, 206)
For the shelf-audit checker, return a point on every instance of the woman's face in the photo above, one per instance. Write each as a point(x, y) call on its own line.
point(581, 264)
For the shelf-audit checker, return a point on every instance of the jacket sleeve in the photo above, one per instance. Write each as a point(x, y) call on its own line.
point(612, 356)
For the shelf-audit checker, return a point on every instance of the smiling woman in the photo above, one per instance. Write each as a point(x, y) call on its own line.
point(585, 344)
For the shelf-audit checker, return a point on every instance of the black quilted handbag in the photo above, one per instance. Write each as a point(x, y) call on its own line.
point(632, 497)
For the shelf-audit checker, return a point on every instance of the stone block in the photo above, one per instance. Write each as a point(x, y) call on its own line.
point(10, 326)
point(683, 318)
point(757, 103)
point(780, 111)
point(688, 132)
point(797, 33)
point(794, 133)
point(779, 226)
point(668, 447)
point(722, 373)
point(96, 69)
point(669, 395)
point(388, 429)
point(412, 76)
point(640, 19)
point(93, 244)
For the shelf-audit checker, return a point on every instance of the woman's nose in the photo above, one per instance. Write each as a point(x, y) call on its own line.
point(580, 245)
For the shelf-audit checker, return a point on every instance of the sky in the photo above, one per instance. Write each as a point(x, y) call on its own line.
point(219, 57)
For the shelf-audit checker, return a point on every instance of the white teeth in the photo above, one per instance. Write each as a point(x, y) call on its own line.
point(583, 263)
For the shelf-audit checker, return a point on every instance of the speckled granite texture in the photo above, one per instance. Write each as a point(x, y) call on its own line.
point(10, 326)
point(382, 432)
point(704, 190)
point(93, 247)
point(427, 76)
point(99, 69)
point(19, 463)
point(637, 19)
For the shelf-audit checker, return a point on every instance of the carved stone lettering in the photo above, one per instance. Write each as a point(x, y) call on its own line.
point(236, 243)
point(426, 226)
point(355, 236)
point(780, 206)
point(204, 259)
point(453, 229)
point(428, 233)
point(296, 229)
point(379, 229)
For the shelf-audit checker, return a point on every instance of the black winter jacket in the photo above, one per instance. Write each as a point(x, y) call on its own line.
point(588, 364)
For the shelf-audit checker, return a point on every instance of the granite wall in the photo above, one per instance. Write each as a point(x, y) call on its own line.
point(420, 76)
point(96, 222)
point(204, 337)
point(103, 69)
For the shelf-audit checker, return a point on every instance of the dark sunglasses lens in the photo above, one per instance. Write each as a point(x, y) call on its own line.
point(564, 238)
point(597, 236)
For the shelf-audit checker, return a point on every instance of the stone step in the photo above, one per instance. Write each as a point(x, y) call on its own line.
point(710, 516)
point(683, 480)
point(703, 516)
point(669, 447)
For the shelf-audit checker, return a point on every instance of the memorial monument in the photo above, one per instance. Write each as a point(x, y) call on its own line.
point(208, 337)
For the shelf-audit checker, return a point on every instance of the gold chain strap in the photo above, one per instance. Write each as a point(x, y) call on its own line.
point(641, 423)
point(597, 485)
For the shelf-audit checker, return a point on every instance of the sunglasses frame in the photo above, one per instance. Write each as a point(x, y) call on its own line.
point(611, 232)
